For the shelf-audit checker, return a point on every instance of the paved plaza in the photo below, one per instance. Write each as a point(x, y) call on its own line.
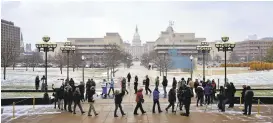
point(105, 108)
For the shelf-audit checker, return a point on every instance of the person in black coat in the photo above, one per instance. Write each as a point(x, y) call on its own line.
point(68, 97)
point(37, 83)
point(77, 100)
point(174, 85)
point(60, 96)
point(188, 94)
point(129, 78)
point(72, 84)
point(221, 97)
point(118, 100)
point(165, 84)
point(88, 87)
point(123, 85)
point(249, 94)
point(243, 94)
point(172, 99)
point(82, 89)
point(147, 84)
point(136, 84)
point(200, 95)
point(91, 101)
point(232, 91)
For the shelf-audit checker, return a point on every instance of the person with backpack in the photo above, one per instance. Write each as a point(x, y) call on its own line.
point(37, 83)
point(156, 100)
point(118, 101)
point(91, 101)
point(139, 101)
point(147, 84)
point(249, 94)
point(172, 99)
point(111, 86)
point(196, 84)
point(88, 87)
point(180, 97)
point(82, 90)
point(174, 83)
point(77, 100)
point(165, 84)
point(136, 84)
point(129, 78)
point(188, 94)
point(200, 95)
point(157, 82)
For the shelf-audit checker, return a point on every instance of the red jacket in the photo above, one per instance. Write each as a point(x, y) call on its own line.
point(139, 95)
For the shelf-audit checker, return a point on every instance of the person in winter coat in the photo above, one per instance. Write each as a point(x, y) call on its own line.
point(172, 99)
point(174, 83)
point(72, 84)
point(123, 85)
point(243, 94)
point(157, 82)
point(249, 94)
point(93, 83)
point(165, 84)
point(91, 101)
point(188, 81)
point(104, 88)
point(191, 84)
point(61, 97)
point(156, 100)
point(37, 82)
point(232, 96)
point(111, 86)
point(213, 84)
point(77, 100)
point(118, 100)
point(136, 84)
point(196, 84)
point(68, 97)
point(221, 97)
point(200, 95)
point(88, 86)
point(188, 94)
point(180, 97)
point(147, 84)
point(139, 101)
point(82, 90)
point(208, 92)
point(129, 78)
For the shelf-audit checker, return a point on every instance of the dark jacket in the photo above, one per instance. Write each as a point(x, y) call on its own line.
point(88, 86)
point(188, 94)
point(196, 84)
point(174, 83)
point(135, 83)
point(136, 79)
point(199, 91)
point(37, 80)
point(243, 94)
point(249, 94)
point(165, 82)
point(76, 96)
point(90, 95)
point(147, 82)
point(129, 76)
point(118, 97)
point(172, 95)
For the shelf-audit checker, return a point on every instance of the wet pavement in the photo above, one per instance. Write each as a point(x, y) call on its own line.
point(105, 108)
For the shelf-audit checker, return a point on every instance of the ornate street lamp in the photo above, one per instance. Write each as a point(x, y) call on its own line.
point(204, 48)
point(83, 65)
point(225, 46)
point(191, 66)
point(68, 48)
point(46, 46)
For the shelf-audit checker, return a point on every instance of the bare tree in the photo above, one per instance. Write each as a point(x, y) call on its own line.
point(36, 59)
point(60, 58)
point(8, 54)
point(112, 57)
point(218, 58)
point(167, 63)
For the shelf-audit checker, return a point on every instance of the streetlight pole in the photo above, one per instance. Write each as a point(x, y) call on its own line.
point(46, 46)
point(225, 46)
point(204, 48)
point(68, 48)
point(191, 66)
point(83, 58)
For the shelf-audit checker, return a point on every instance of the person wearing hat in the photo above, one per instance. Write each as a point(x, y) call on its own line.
point(139, 101)
point(91, 101)
point(118, 100)
point(147, 84)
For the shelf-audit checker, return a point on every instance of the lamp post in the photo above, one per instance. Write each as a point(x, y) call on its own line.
point(68, 48)
point(46, 46)
point(225, 46)
point(204, 48)
point(83, 65)
point(191, 66)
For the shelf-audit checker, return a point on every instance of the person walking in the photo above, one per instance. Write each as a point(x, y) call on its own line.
point(180, 97)
point(129, 78)
point(172, 99)
point(77, 100)
point(68, 97)
point(60, 97)
point(165, 84)
point(136, 84)
point(123, 85)
point(139, 101)
point(249, 94)
point(93, 83)
point(208, 92)
point(91, 101)
point(37, 83)
point(174, 83)
point(88, 87)
point(104, 88)
point(200, 95)
point(213, 84)
point(156, 82)
point(111, 86)
point(82, 90)
point(191, 84)
point(118, 101)
point(188, 94)
point(147, 84)
point(196, 84)
point(72, 84)
point(156, 100)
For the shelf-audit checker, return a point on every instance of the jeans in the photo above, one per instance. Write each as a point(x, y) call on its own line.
point(147, 89)
point(187, 107)
point(139, 105)
point(79, 104)
point(165, 92)
point(60, 104)
point(207, 99)
point(116, 108)
point(171, 105)
point(158, 105)
point(201, 99)
point(111, 88)
point(248, 107)
point(91, 107)
point(69, 103)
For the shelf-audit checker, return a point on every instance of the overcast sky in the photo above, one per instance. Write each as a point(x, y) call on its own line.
point(211, 20)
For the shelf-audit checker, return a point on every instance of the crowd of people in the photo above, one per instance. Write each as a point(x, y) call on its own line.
point(180, 94)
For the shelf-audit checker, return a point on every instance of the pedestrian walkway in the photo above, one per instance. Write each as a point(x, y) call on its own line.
point(105, 108)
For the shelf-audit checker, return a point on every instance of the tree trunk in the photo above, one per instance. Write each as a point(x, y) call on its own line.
point(26, 67)
point(73, 68)
point(61, 68)
point(160, 71)
point(33, 67)
point(113, 71)
point(166, 72)
point(5, 70)
point(13, 66)
point(108, 73)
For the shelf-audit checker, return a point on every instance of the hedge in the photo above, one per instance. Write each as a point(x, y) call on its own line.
point(255, 65)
